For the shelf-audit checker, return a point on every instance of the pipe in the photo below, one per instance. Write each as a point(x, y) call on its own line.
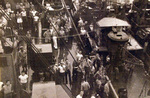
point(73, 23)
point(111, 86)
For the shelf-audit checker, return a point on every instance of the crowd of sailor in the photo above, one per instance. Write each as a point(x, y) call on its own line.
point(29, 18)
point(87, 75)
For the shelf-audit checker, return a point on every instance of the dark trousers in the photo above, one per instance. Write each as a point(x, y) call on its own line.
point(20, 25)
point(100, 92)
point(79, 79)
point(9, 95)
point(91, 80)
point(57, 77)
point(68, 75)
point(1, 94)
point(25, 22)
point(62, 77)
point(75, 75)
point(23, 86)
point(87, 70)
point(86, 94)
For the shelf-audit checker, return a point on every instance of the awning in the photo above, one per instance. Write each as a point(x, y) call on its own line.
point(111, 21)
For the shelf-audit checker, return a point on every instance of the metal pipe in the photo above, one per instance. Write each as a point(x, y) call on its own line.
point(57, 33)
point(63, 42)
point(14, 72)
point(111, 86)
point(73, 23)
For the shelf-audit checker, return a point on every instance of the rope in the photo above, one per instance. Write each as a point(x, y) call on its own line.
point(66, 36)
point(136, 60)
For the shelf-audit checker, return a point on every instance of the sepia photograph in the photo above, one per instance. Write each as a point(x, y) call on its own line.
point(74, 49)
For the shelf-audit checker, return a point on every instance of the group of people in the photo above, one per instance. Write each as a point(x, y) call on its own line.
point(89, 75)
point(22, 14)
point(88, 33)
point(20, 19)
point(58, 30)
point(6, 89)
point(22, 58)
point(29, 17)
point(63, 72)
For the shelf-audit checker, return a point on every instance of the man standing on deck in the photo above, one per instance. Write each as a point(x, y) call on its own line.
point(7, 89)
point(23, 80)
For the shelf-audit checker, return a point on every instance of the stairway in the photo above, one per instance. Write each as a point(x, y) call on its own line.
point(48, 90)
point(44, 90)
point(61, 93)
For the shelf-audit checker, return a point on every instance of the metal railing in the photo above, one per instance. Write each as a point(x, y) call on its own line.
point(114, 93)
point(26, 39)
point(67, 90)
point(143, 90)
point(64, 85)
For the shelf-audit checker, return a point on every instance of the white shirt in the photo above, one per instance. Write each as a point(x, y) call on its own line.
point(93, 97)
point(85, 86)
point(19, 20)
point(36, 18)
point(79, 96)
point(23, 79)
point(77, 1)
point(62, 32)
point(55, 42)
point(1, 83)
point(33, 13)
point(83, 32)
point(8, 5)
point(23, 13)
point(17, 6)
point(7, 89)
point(3, 22)
point(48, 6)
point(8, 10)
point(79, 56)
point(61, 69)
point(1, 51)
point(80, 22)
point(27, 5)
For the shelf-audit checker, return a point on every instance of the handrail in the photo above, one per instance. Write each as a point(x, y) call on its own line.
point(64, 86)
point(141, 63)
point(58, 34)
point(36, 50)
point(26, 39)
point(6, 16)
point(111, 86)
point(41, 57)
point(144, 86)
point(64, 4)
point(65, 45)
point(6, 42)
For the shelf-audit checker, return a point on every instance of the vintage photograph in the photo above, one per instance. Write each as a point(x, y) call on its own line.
point(74, 49)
